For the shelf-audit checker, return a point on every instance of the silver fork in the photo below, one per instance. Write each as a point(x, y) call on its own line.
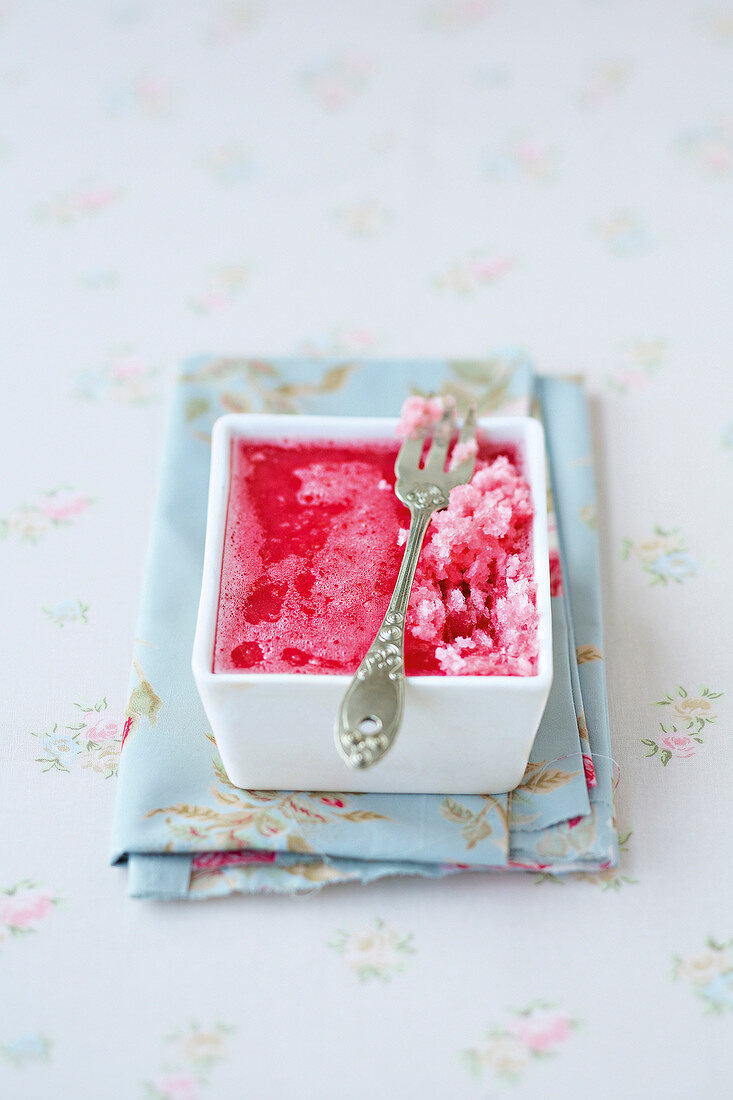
point(371, 711)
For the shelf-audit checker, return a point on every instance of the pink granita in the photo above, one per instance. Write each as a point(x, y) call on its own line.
point(313, 545)
point(419, 413)
point(473, 600)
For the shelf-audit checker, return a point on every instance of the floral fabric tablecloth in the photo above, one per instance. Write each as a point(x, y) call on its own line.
point(432, 178)
point(180, 825)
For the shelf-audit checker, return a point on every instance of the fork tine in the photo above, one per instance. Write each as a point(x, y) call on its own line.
point(468, 431)
point(435, 462)
point(408, 457)
point(464, 470)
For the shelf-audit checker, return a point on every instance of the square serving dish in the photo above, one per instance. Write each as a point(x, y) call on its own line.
point(460, 734)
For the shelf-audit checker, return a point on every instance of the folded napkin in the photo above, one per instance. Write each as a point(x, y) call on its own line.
point(186, 831)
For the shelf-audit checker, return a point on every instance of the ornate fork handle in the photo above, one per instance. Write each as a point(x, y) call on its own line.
point(371, 711)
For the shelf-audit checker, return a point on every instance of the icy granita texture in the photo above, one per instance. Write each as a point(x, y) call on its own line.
point(313, 544)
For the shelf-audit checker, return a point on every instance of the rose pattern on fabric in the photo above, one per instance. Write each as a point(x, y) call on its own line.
point(376, 952)
point(67, 611)
point(560, 841)
point(607, 878)
point(521, 159)
point(250, 819)
point(485, 383)
point(23, 907)
point(688, 717)
point(190, 1057)
point(335, 83)
point(27, 1049)
point(625, 234)
point(149, 94)
point(69, 207)
point(604, 83)
point(123, 377)
point(475, 824)
point(509, 1047)
point(217, 861)
point(640, 362)
point(710, 145)
point(144, 703)
point(347, 340)
point(710, 974)
point(612, 878)
point(589, 770)
point(664, 556)
point(55, 508)
point(237, 875)
point(468, 275)
point(228, 164)
point(540, 777)
point(224, 284)
point(93, 743)
point(254, 385)
point(367, 218)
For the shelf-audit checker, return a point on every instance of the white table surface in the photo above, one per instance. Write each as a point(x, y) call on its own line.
point(401, 178)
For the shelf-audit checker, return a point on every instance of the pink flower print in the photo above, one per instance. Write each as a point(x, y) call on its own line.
point(154, 94)
point(178, 1086)
point(216, 861)
point(104, 729)
point(711, 144)
point(589, 771)
point(353, 340)
point(632, 378)
point(25, 908)
point(492, 268)
point(337, 82)
point(61, 507)
point(679, 744)
point(72, 206)
point(97, 199)
point(128, 366)
point(331, 800)
point(225, 283)
point(541, 1031)
point(474, 271)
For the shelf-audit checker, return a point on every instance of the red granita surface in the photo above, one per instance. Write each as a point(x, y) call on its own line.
point(313, 544)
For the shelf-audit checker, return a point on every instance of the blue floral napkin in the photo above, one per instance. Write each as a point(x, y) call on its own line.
point(185, 831)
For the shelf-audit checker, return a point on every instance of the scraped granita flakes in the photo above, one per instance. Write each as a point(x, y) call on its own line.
point(313, 543)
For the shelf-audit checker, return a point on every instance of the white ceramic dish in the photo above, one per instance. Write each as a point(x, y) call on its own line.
point(460, 735)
